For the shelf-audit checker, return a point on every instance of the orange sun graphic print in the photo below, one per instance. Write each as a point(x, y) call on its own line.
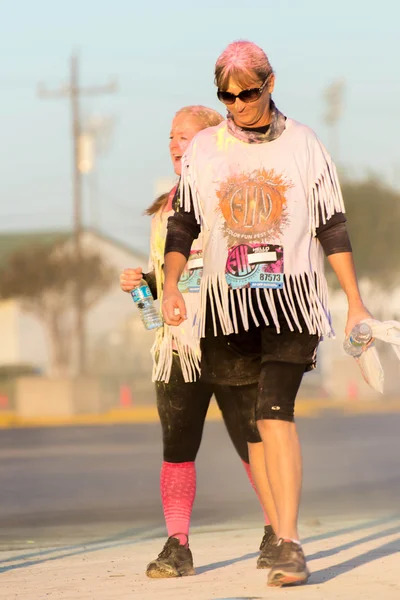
point(254, 206)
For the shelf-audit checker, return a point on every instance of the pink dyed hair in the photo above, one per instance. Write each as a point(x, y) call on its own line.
point(245, 62)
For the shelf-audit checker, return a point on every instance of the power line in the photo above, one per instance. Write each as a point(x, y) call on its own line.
point(73, 92)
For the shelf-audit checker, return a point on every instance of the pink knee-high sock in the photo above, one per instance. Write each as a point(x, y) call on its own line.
point(250, 476)
point(178, 490)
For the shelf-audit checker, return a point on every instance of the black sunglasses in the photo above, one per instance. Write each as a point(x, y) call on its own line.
point(245, 95)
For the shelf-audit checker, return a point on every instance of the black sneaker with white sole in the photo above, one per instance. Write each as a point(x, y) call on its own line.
point(268, 548)
point(174, 560)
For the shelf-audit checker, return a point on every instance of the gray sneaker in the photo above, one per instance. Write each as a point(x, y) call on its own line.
point(174, 560)
point(268, 548)
point(290, 566)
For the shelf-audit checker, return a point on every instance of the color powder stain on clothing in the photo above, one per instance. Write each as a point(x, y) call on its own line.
point(223, 141)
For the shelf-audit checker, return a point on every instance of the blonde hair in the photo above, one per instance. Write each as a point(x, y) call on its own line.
point(244, 62)
point(206, 117)
point(158, 203)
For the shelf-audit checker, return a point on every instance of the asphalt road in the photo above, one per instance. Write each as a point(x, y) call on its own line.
point(76, 483)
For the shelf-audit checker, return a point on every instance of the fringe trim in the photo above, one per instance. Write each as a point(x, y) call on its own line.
point(304, 297)
point(260, 306)
point(162, 353)
point(159, 276)
point(325, 198)
point(189, 195)
point(166, 342)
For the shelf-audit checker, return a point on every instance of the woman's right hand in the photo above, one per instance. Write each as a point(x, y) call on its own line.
point(173, 306)
point(130, 279)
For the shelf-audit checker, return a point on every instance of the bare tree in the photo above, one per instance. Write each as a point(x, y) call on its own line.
point(43, 279)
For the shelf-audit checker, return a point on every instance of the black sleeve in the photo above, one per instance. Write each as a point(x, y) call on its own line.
point(182, 230)
point(333, 235)
point(150, 279)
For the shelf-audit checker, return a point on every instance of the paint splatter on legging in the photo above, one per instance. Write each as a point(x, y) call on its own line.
point(182, 408)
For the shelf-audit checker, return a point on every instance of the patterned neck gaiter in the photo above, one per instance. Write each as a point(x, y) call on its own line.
point(275, 130)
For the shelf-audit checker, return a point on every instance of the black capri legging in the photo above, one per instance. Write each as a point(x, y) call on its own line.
point(182, 408)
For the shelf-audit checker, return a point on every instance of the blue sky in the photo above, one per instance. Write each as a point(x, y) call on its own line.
point(163, 53)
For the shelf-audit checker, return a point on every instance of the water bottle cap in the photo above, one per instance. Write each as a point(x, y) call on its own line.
point(360, 329)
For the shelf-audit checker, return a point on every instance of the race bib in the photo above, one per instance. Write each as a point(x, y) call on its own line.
point(191, 276)
point(255, 266)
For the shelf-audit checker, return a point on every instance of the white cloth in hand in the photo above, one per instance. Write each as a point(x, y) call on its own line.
point(369, 362)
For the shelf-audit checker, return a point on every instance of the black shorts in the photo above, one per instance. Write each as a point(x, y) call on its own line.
point(236, 359)
point(294, 347)
point(231, 359)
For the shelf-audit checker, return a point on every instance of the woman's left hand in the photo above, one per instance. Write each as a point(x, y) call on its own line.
point(355, 315)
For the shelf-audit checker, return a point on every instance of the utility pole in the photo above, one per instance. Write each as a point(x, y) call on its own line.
point(73, 92)
point(333, 95)
point(96, 134)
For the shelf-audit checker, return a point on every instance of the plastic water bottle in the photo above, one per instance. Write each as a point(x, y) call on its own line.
point(143, 298)
point(359, 337)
